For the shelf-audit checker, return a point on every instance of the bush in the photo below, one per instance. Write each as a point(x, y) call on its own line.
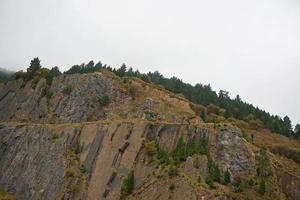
point(210, 182)
point(162, 155)
point(67, 90)
point(238, 186)
point(262, 187)
point(172, 187)
point(127, 186)
point(250, 182)
point(227, 177)
point(150, 148)
point(263, 163)
point(47, 93)
point(104, 101)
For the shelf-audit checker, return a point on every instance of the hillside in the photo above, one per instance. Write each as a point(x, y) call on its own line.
point(101, 136)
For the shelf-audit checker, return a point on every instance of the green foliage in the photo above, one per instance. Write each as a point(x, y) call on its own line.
point(179, 153)
point(183, 150)
point(78, 147)
point(238, 186)
point(250, 182)
point(203, 116)
point(213, 170)
point(297, 131)
point(263, 163)
point(210, 182)
point(172, 187)
point(86, 68)
point(127, 186)
point(82, 169)
point(219, 104)
point(262, 187)
point(67, 90)
point(35, 65)
point(162, 155)
point(104, 101)
point(47, 93)
point(227, 178)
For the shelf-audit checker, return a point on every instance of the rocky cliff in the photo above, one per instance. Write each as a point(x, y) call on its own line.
point(82, 136)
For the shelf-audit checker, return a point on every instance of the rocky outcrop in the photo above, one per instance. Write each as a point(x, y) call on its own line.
point(72, 98)
point(68, 145)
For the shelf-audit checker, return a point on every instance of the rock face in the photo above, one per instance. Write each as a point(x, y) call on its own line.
point(69, 146)
point(76, 99)
point(232, 153)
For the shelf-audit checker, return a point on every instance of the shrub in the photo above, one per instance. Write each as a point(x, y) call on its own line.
point(250, 182)
point(227, 177)
point(150, 148)
point(47, 93)
point(67, 90)
point(263, 163)
point(172, 187)
point(262, 187)
point(210, 182)
point(162, 155)
point(104, 101)
point(127, 186)
point(238, 185)
point(78, 147)
point(70, 172)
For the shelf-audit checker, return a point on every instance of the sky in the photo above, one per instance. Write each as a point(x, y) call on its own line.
point(249, 47)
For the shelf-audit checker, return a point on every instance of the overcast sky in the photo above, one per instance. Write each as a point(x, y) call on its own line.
point(251, 48)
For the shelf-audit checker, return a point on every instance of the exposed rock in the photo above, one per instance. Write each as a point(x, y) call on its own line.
point(232, 153)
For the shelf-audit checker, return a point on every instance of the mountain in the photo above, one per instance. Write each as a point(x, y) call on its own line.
point(101, 134)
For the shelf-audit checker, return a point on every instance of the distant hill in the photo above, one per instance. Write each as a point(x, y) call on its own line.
point(5, 74)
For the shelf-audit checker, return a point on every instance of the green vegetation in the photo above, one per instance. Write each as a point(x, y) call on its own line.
point(172, 187)
point(219, 105)
point(238, 185)
point(104, 101)
point(262, 187)
point(213, 170)
point(250, 182)
point(262, 158)
point(67, 90)
point(127, 186)
point(227, 178)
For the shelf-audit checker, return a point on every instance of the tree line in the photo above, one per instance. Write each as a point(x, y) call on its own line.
point(198, 94)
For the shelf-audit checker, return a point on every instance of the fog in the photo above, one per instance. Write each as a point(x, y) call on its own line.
point(251, 48)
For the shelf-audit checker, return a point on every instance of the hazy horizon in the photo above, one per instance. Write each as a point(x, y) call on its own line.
point(250, 48)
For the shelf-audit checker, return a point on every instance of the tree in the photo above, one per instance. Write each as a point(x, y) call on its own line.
point(297, 131)
point(122, 70)
point(287, 125)
point(35, 65)
point(203, 116)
